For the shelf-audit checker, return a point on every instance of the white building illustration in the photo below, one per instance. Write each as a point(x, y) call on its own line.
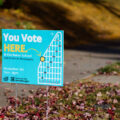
point(50, 66)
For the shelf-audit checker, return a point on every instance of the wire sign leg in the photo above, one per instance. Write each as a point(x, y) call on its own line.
point(47, 102)
point(16, 102)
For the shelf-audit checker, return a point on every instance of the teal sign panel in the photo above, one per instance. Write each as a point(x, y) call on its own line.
point(33, 57)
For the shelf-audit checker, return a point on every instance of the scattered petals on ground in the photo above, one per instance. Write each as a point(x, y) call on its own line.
point(77, 101)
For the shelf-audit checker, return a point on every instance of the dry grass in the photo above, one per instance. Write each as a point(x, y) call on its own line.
point(102, 18)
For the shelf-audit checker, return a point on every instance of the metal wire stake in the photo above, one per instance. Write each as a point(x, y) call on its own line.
point(16, 102)
point(47, 102)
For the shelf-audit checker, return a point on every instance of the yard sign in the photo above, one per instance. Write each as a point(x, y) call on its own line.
point(32, 57)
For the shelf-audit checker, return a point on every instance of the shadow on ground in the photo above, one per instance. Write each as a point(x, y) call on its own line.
point(103, 4)
point(79, 35)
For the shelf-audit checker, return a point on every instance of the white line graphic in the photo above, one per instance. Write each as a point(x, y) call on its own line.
point(50, 70)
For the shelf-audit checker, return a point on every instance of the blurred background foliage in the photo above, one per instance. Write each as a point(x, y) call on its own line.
point(88, 24)
point(1, 2)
